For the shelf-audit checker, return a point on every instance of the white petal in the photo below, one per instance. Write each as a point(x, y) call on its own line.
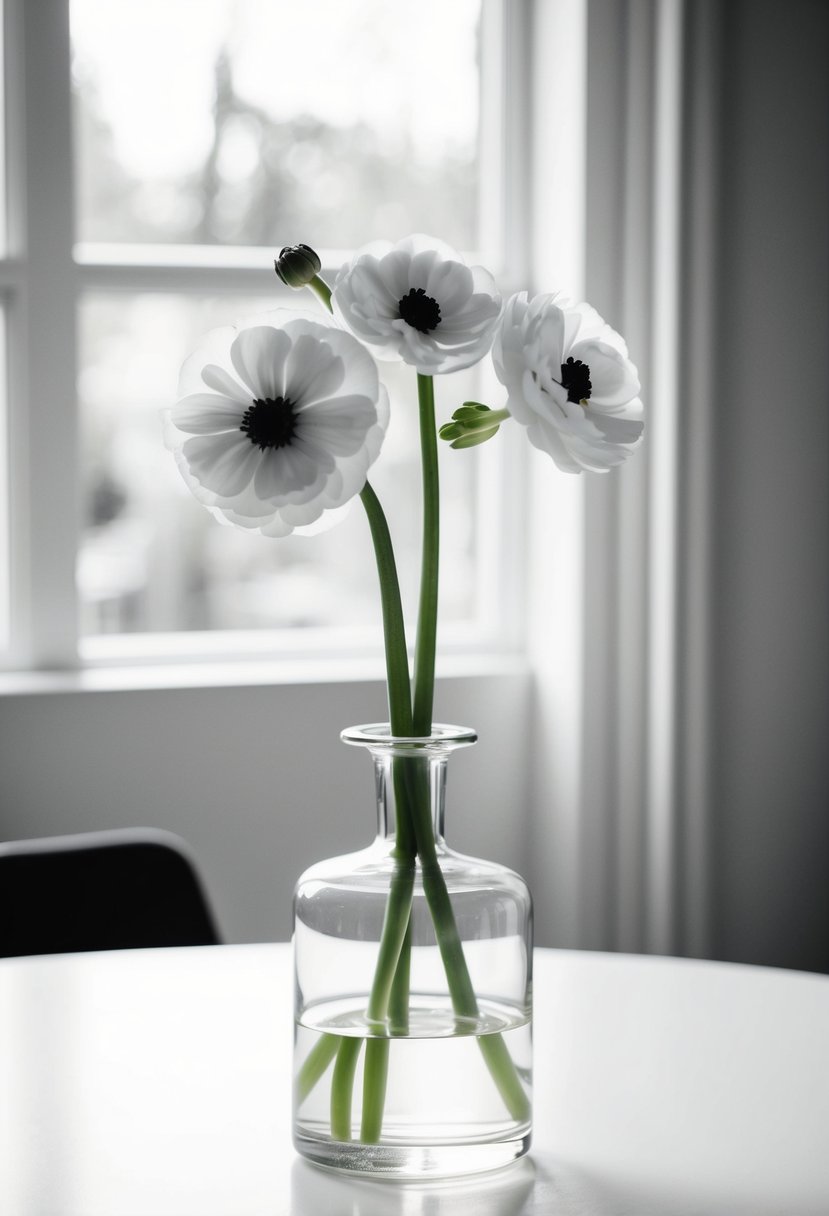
point(479, 312)
point(340, 426)
point(547, 403)
point(223, 463)
point(613, 377)
point(322, 382)
point(284, 471)
point(420, 268)
point(590, 323)
point(451, 284)
point(276, 527)
point(519, 409)
point(258, 355)
point(310, 360)
point(307, 444)
point(301, 515)
point(373, 287)
point(547, 439)
point(221, 381)
point(206, 414)
point(353, 472)
point(360, 377)
point(617, 430)
point(551, 335)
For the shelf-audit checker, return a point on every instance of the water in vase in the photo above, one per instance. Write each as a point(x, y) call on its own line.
point(440, 1092)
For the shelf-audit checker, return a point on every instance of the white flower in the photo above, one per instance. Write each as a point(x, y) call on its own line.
point(569, 380)
point(278, 421)
point(418, 301)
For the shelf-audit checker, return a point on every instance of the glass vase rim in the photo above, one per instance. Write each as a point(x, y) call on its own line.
point(378, 737)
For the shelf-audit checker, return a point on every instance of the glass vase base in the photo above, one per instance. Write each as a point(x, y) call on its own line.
point(410, 1162)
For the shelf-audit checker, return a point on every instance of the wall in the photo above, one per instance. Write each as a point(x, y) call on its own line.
point(254, 778)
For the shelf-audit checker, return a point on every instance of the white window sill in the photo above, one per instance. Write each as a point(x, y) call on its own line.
point(241, 674)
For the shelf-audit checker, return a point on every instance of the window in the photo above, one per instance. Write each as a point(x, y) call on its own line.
point(255, 131)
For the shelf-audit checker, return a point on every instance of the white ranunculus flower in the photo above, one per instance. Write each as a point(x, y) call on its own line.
point(570, 382)
point(418, 301)
point(278, 420)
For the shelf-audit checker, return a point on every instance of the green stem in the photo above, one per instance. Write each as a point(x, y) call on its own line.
point(464, 1001)
point(375, 1076)
point(394, 631)
point(399, 904)
point(321, 289)
point(427, 618)
point(390, 990)
point(342, 1087)
point(315, 1064)
point(399, 998)
point(398, 908)
point(395, 927)
point(400, 715)
point(502, 1068)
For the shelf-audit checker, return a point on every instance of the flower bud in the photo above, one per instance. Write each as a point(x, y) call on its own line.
point(472, 424)
point(297, 265)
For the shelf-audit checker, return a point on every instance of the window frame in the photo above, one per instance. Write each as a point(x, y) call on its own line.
point(43, 280)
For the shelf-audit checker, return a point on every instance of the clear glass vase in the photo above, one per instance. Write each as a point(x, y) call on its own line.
point(413, 965)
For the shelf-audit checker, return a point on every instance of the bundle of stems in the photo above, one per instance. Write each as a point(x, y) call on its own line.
point(410, 715)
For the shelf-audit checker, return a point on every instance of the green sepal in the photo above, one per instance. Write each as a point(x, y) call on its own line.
point(470, 411)
point(451, 430)
point(472, 438)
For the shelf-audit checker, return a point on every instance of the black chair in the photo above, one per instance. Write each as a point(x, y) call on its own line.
point(116, 890)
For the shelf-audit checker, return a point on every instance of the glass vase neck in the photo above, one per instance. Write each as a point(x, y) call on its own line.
point(410, 776)
point(377, 737)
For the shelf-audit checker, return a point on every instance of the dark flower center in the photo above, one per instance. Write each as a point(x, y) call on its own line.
point(575, 377)
point(269, 422)
point(419, 310)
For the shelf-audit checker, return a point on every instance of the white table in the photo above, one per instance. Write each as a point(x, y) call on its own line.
point(156, 1083)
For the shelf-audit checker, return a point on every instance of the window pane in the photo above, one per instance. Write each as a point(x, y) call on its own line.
point(267, 122)
point(153, 559)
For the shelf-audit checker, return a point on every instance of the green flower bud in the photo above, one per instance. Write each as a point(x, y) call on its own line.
point(472, 424)
point(473, 438)
point(297, 265)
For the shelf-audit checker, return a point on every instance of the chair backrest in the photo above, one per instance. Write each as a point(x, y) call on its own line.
point(116, 890)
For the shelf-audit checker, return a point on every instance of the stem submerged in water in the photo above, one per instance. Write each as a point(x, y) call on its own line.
point(375, 1076)
point(342, 1087)
point(315, 1065)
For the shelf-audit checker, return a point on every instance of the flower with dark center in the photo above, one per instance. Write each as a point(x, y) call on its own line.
point(575, 378)
point(278, 421)
point(419, 310)
point(418, 301)
point(269, 423)
point(569, 382)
